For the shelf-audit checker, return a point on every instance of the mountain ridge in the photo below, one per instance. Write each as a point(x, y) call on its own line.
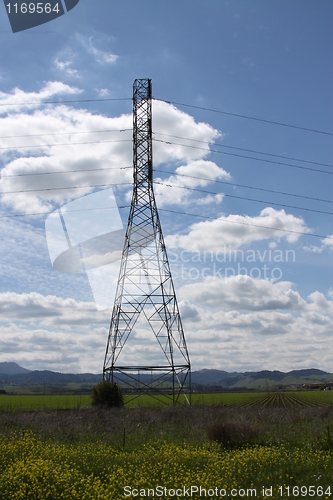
point(11, 374)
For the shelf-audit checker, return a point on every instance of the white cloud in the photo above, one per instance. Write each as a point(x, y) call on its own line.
point(102, 57)
point(63, 140)
point(60, 350)
point(234, 324)
point(103, 92)
point(244, 324)
point(234, 231)
point(19, 99)
point(243, 293)
point(65, 67)
point(49, 311)
point(195, 173)
point(240, 324)
point(168, 122)
point(328, 242)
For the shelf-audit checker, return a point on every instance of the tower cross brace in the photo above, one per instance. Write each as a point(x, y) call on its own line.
point(145, 297)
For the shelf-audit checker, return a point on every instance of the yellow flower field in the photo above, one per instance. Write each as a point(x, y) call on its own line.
point(39, 468)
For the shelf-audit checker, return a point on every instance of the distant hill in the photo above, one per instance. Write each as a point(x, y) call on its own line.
point(258, 380)
point(11, 368)
point(12, 375)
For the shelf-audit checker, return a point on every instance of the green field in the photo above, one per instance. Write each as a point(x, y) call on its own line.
point(11, 403)
point(281, 399)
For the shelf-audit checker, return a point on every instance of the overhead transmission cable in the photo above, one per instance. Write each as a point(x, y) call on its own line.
point(40, 146)
point(67, 101)
point(218, 219)
point(227, 183)
point(93, 186)
point(162, 134)
point(67, 133)
point(217, 181)
point(247, 117)
point(247, 150)
point(57, 172)
point(244, 198)
point(209, 150)
point(245, 224)
point(218, 111)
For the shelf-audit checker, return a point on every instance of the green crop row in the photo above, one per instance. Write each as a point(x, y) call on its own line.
point(283, 399)
point(41, 402)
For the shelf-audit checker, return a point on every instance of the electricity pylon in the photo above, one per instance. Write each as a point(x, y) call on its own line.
point(145, 298)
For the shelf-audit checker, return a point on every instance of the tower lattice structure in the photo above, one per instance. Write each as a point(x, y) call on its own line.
point(145, 298)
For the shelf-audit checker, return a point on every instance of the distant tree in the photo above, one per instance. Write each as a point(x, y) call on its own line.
point(107, 394)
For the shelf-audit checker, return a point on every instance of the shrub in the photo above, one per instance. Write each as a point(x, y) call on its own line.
point(107, 394)
point(233, 434)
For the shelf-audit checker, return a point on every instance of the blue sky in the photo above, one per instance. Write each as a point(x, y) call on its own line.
point(252, 264)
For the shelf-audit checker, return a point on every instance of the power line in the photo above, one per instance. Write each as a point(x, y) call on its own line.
point(281, 124)
point(244, 156)
point(165, 135)
point(245, 224)
point(64, 144)
point(93, 186)
point(246, 199)
point(67, 171)
point(90, 186)
point(244, 186)
point(208, 150)
point(272, 122)
point(70, 101)
point(303, 233)
point(35, 214)
point(67, 133)
point(248, 150)
point(181, 213)
point(169, 185)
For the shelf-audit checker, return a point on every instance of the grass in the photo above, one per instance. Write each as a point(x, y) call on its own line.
point(12, 403)
point(90, 453)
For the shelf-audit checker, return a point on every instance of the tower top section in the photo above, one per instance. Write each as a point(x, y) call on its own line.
point(142, 137)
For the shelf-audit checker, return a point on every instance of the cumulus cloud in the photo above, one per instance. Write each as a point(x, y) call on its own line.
point(49, 311)
point(91, 149)
point(238, 323)
point(197, 173)
point(243, 293)
point(20, 100)
point(168, 122)
point(241, 323)
point(233, 231)
point(59, 350)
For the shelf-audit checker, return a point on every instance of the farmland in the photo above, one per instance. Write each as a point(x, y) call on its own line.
point(279, 399)
point(56, 447)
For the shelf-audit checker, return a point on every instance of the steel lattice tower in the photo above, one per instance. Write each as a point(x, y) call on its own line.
point(145, 291)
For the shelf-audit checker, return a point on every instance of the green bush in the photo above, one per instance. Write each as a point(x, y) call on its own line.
point(107, 394)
